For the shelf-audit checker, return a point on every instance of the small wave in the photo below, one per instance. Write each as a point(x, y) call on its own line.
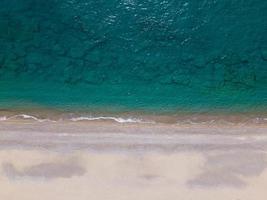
point(257, 120)
point(25, 116)
point(4, 118)
point(75, 119)
point(192, 122)
point(116, 119)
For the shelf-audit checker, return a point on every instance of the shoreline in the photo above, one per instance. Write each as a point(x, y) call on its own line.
point(109, 136)
point(40, 114)
point(103, 159)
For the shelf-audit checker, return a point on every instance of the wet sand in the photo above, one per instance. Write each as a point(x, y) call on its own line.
point(107, 160)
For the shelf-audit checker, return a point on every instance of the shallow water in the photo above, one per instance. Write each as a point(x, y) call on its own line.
point(159, 56)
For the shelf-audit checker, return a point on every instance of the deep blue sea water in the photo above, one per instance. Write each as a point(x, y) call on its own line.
point(150, 55)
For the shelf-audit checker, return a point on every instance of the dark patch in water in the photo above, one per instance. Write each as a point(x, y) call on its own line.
point(199, 54)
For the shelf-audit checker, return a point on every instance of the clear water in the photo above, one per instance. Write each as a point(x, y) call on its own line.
point(159, 55)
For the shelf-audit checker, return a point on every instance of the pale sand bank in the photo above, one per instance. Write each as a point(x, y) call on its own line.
point(104, 160)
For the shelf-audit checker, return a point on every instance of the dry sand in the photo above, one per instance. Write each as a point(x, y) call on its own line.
point(103, 160)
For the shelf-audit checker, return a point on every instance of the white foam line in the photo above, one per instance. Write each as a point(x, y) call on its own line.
point(24, 116)
point(126, 120)
point(195, 123)
point(4, 118)
point(116, 119)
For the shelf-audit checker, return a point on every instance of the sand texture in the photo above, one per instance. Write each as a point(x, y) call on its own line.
point(107, 160)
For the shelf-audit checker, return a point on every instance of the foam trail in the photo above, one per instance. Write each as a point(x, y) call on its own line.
point(116, 119)
point(76, 119)
point(192, 122)
point(4, 118)
point(24, 116)
point(257, 120)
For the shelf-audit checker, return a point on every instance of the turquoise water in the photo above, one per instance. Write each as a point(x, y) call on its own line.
point(156, 55)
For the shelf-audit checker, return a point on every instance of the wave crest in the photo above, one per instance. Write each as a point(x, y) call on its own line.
point(75, 119)
point(116, 119)
point(189, 121)
point(25, 116)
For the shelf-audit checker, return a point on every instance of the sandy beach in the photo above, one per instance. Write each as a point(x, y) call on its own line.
point(133, 100)
point(107, 160)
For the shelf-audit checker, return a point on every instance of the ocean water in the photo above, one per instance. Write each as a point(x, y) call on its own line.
point(134, 55)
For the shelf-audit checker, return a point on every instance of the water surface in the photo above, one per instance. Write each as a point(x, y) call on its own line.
point(176, 55)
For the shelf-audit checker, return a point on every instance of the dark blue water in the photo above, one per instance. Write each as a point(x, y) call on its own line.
point(160, 55)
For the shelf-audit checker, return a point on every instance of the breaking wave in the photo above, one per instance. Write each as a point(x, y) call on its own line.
point(189, 121)
point(116, 119)
point(25, 116)
point(74, 119)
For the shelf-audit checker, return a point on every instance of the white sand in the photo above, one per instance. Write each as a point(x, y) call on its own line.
point(95, 161)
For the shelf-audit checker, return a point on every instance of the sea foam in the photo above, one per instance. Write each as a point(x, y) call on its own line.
point(119, 119)
point(75, 119)
point(25, 116)
point(116, 119)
